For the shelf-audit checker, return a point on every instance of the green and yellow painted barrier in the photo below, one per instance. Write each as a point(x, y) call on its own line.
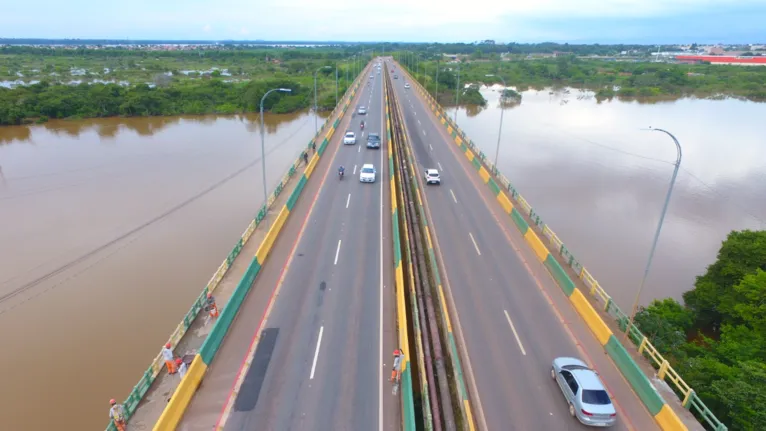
point(655, 404)
point(185, 390)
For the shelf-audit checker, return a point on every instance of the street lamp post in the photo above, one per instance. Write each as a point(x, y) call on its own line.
point(316, 112)
point(437, 82)
point(659, 228)
point(457, 94)
point(263, 142)
point(336, 84)
point(499, 132)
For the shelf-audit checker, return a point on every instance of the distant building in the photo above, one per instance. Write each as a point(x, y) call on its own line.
point(716, 50)
point(716, 59)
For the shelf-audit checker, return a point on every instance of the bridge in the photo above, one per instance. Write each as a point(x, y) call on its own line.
point(333, 275)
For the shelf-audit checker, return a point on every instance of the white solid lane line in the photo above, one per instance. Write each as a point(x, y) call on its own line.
point(348, 200)
point(316, 353)
point(515, 334)
point(453, 198)
point(337, 251)
point(472, 240)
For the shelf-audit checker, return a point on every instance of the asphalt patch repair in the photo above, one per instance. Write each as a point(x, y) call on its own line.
point(251, 387)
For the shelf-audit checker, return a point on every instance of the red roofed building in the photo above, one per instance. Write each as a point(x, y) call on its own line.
point(719, 59)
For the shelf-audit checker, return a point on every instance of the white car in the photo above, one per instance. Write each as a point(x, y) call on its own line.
point(407, 85)
point(367, 174)
point(362, 110)
point(371, 76)
point(349, 138)
point(432, 177)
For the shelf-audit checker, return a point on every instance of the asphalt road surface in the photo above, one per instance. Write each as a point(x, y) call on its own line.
point(324, 354)
point(512, 318)
point(318, 364)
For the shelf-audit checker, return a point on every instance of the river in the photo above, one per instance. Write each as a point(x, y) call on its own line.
point(84, 310)
point(600, 181)
point(82, 331)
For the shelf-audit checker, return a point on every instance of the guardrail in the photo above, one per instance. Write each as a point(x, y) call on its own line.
point(199, 365)
point(663, 414)
point(408, 404)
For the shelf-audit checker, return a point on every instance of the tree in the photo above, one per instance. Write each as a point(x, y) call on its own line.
point(713, 298)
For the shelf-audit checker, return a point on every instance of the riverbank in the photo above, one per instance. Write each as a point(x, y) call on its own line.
point(40, 102)
point(53, 83)
point(608, 79)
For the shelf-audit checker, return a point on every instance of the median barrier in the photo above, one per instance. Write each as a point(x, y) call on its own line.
point(178, 404)
point(407, 399)
point(663, 414)
point(457, 367)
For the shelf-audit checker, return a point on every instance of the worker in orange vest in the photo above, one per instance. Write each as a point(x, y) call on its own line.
point(210, 305)
point(167, 355)
point(117, 414)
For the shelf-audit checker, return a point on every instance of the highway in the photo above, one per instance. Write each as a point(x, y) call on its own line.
point(510, 316)
point(324, 353)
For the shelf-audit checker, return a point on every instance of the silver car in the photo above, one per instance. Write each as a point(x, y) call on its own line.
point(588, 400)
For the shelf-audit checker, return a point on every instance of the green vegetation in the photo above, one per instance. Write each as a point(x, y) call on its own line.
point(143, 83)
point(717, 341)
point(608, 78)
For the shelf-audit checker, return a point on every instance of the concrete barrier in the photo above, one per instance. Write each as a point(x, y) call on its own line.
point(663, 414)
point(179, 402)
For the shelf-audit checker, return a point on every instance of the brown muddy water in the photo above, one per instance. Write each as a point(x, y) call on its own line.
point(85, 308)
point(600, 181)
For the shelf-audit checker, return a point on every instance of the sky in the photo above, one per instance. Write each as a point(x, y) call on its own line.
point(573, 21)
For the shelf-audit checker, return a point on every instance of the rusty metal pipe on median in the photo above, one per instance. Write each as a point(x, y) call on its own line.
point(426, 338)
point(423, 287)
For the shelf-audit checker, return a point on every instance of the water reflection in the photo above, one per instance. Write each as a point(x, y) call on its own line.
point(143, 126)
point(600, 181)
point(70, 192)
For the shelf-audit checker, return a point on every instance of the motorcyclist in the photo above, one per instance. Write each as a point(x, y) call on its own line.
point(362, 124)
point(341, 170)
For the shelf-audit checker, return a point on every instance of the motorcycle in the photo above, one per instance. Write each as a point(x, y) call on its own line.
point(340, 175)
point(361, 125)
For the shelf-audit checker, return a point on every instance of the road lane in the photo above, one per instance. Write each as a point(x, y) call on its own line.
point(325, 226)
point(514, 385)
point(334, 286)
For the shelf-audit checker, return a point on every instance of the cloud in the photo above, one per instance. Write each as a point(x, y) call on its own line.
point(398, 20)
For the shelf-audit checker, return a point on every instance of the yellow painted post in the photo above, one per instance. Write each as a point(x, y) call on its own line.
point(663, 369)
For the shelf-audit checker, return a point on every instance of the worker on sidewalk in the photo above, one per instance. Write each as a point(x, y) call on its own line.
point(210, 305)
point(306, 157)
point(181, 367)
point(117, 414)
point(167, 355)
point(396, 371)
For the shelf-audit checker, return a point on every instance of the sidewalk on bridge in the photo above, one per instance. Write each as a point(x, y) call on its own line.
point(163, 387)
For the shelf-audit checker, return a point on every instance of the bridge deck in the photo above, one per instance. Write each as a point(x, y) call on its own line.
point(510, 316)
point(330, 273)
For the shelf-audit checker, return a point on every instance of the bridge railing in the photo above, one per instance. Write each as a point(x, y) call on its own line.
point(665, 371)
point(138, 392)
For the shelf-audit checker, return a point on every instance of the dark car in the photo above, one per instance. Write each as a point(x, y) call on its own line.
point(373, 140)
